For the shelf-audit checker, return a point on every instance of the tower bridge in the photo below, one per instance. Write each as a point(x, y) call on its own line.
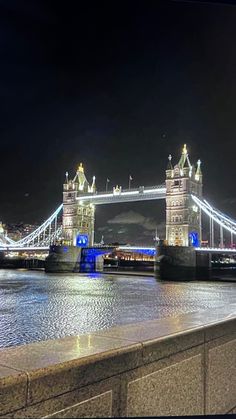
point(185, 207)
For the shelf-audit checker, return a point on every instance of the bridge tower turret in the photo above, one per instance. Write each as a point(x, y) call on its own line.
point(78, 217)
point(183, 218)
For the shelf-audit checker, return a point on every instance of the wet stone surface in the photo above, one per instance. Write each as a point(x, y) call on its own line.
point(36, 306)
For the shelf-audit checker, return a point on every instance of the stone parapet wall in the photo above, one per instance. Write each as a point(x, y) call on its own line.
point(183, 365)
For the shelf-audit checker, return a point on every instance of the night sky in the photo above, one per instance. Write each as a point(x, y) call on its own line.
point(117, 85)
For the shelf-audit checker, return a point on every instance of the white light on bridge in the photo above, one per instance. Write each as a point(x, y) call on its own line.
point(83, 198)
point(137, 192)
point(129, 193)
point(21, 249)
point(215, 249)
point(154, 190)
point(214, 215)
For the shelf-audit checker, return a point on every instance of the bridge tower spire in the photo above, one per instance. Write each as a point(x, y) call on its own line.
point(78, 216)
point(183, 223)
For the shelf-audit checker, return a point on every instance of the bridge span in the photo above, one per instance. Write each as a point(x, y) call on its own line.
point(72, 223)
point(118, 195)
point(149, 250)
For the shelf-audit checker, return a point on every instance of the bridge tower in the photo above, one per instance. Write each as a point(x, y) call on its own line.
point(183, 218)
point(78, 217)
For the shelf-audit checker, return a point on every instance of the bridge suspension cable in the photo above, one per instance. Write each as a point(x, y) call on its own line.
point(217, 216)
point(8, 240)
point(44, 235)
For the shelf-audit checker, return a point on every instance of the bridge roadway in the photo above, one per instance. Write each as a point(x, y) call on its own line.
point(142, 249)
point(108, 248)
point(126, 195)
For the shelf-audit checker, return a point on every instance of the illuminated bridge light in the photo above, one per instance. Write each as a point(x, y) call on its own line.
point(95, 252)
point(222, 220)
point(139, 194)
point(22, 248)
point(129, 193)
point(136, 248)
point(154, 190)
point(42, 237)
point(215, 249)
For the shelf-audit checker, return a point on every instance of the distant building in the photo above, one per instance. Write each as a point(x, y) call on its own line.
point(16, 231)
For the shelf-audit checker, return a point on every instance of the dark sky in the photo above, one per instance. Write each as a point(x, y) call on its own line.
point(117, 85)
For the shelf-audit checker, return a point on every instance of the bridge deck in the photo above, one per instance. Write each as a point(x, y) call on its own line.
point(145, 249)
point(127, 195)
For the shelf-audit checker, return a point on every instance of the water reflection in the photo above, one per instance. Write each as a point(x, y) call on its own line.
point(38, 306)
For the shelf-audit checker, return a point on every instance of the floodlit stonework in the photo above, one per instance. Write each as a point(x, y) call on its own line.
point(78, 217)
point(183, 218)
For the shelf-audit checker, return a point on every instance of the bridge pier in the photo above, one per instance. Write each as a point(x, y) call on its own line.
point(203, 265)
point(181, 263)
point(63, 259)
point(74, 259)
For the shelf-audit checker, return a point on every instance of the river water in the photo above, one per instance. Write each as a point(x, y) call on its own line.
point(37, 306)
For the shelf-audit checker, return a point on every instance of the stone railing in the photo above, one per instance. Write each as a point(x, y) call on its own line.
point(184, 365)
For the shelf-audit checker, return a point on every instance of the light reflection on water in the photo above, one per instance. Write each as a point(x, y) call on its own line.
point(38, 306)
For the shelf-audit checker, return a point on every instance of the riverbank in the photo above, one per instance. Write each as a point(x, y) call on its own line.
point(178, 366)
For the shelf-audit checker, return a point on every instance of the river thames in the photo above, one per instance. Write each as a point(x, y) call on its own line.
point(37, 306)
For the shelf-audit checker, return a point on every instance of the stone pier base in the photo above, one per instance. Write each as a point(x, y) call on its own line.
point(203, 265)
point(63, 259)
point(181, 263)
point(73, 259)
